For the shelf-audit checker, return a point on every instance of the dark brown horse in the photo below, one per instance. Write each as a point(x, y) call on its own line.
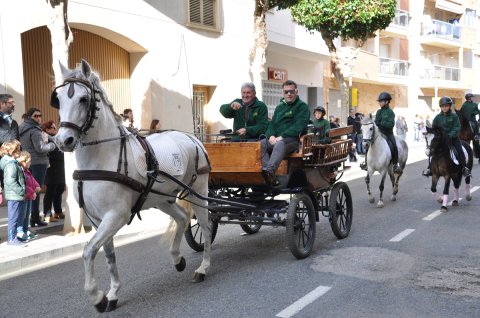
point(467, 133)
point(439, 148)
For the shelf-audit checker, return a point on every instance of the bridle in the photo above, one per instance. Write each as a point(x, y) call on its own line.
point(92, 103)
point(374, 136)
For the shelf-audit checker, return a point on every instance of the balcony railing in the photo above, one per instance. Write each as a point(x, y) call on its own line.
point(392, 67)
point(443, 30)
point(402, 18)
point(442, 73)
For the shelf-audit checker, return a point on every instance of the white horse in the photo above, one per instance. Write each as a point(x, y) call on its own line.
point(379, 159)
point(111, 182)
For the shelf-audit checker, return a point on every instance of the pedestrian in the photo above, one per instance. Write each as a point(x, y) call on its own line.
point(358, 129)
point(13, 189)
point(31, 189)
point(385, 120)
point(128, 118)
point(154, 126)
point(250, 115)
point(54, 179)
point(290, 120)
point(38, 144)
point(8, 125)
point(417, 122)
point(333, 123)
point(401, 127)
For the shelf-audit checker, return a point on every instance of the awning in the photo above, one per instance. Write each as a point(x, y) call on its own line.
point(452, 6)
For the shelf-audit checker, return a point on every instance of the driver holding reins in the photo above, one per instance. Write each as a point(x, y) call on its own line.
point(385, 121)
point(450, 123)
point(470, 110)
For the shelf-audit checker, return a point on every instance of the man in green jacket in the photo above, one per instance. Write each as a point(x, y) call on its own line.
point(470, 110)
point(290, 120)
point(250, 115)
point(385, 121)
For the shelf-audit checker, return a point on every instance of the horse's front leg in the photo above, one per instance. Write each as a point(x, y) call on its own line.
point(381, 187)
point(394, 179)
point(371, 198)
point(468, 194)
point(433, 188)
point(446, 188)
point(110, 225)
point(114, 278)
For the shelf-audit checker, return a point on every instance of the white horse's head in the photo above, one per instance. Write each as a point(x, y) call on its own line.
point(368, 131)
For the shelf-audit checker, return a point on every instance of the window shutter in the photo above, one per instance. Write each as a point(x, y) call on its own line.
point(202, 12)
point(195, 16)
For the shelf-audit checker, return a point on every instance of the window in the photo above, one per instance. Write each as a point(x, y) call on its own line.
point(203, 13)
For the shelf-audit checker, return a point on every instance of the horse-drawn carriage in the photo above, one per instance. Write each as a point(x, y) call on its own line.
point(308, 187)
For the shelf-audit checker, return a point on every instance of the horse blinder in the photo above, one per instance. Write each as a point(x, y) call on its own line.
point(54, 102)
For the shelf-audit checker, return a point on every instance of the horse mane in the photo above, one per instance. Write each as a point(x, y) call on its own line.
point(94, 78)
point(443, 136)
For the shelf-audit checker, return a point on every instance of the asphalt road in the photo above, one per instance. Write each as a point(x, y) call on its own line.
point(404, 260)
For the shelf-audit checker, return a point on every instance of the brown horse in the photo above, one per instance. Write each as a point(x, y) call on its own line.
point(467, 133)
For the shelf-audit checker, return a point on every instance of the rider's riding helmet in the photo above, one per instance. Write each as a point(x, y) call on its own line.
point(384, 96)
point(320, 108)
point(445, 100)
point(469, 96)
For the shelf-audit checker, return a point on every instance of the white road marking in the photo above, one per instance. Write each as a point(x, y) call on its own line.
point(475, 188)
point(400, 236)
point(303, 302)
point(432, 215)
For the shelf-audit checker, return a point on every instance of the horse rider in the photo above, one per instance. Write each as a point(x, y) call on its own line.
point(450, 123)
point(250, 115)
point(321, 126)
point(385, 121)
point(470, 110)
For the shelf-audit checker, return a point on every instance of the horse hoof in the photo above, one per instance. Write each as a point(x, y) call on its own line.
point(102, 305)
point(198, 278)
point(469, 197)
point(112, 305)
point(380, 204)
point(393, 198)
point(443, 208)
point(454, 203)
point(371, 200)
point(181, 266)
point(439, 200)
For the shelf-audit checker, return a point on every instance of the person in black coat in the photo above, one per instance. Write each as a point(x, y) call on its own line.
point(55, 178)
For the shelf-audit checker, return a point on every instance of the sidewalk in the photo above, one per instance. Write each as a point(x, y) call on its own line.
point(52, 246)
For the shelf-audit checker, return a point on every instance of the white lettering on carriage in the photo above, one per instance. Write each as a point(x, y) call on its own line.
point(303, 302)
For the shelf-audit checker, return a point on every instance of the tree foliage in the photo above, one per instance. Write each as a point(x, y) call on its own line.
point(348, 19)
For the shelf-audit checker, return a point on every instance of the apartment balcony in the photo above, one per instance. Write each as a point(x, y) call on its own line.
point(399, 25)
point(440, 76)
point(393, 68)
point(441, 34)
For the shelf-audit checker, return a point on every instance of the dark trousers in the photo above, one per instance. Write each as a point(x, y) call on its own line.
point(393, 147)
point(53, 195)
point(272, 155)
point(38, 172)
point(458, 146)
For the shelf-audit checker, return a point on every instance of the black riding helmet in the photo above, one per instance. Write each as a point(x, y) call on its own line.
point(445, 100)
point(320, 108)
point(384, 96)
point(468, 96)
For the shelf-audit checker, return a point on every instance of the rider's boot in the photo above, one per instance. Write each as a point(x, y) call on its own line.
point(363, 165)
point(466, 172)
point(427, 173)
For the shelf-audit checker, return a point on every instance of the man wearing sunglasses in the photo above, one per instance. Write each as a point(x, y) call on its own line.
point(8, 126)
point(290, 120)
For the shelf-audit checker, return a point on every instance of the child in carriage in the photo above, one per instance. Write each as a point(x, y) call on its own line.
point(321, 126)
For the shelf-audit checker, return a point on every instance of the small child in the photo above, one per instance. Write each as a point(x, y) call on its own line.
point(13, 188)
point(32, 188)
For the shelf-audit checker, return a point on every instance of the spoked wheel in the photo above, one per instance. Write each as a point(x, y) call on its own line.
point(301, 226)
point(194, 235)
point(251, 228)
point(341, 210)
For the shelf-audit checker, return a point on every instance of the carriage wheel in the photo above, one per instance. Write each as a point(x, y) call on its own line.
point(301, 226)
point(194, 234)
point(341, 210)
point(251, 228)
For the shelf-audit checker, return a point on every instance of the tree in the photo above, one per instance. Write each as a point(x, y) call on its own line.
point(62, 37)
point(260, 38)
point(349, 19)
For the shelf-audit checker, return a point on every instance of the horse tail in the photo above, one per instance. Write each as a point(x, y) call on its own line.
point(172, 226)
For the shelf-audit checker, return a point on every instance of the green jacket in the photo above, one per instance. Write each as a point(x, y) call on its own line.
point(449, 122)
point(13, 179)
point(385, 120)
point(255, 121)
point(470, 109)
point(289, 120)
point(322, 127)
